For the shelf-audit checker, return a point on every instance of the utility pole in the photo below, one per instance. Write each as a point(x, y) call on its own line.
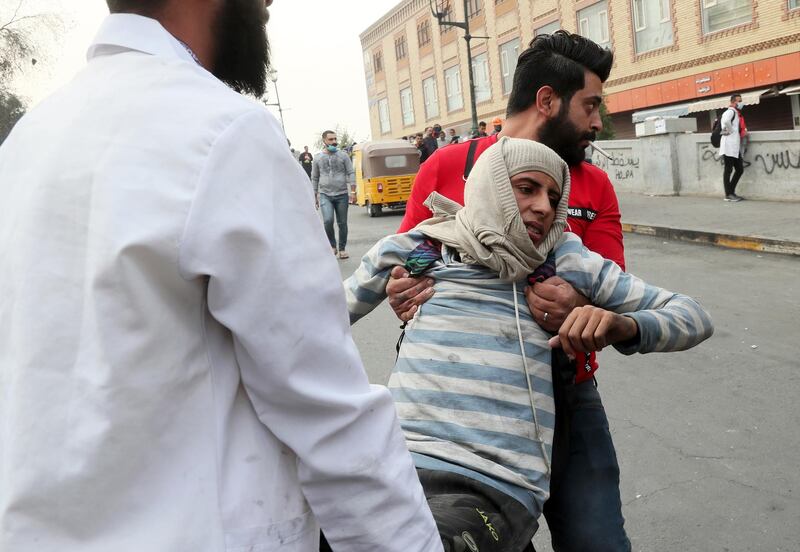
point(273, 76)
point(440, 18)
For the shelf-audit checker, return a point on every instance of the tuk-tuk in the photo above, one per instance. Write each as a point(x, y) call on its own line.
point(385, 173)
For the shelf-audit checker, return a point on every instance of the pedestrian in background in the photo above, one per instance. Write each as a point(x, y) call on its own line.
point(734, 131)
point(482, 129)
point(453, 136)
point(497, 125)
point(306, 160)
point(430, 141)
point(441, 137)
point(176, 370)
point(332, 175)
point(419, 143)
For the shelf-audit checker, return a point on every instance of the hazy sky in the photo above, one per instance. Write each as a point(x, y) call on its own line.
point(315, 50)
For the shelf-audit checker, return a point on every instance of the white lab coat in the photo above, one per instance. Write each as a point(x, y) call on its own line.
point(730, 139)
point(177, 371)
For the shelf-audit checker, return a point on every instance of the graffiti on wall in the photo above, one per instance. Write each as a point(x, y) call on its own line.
point(622, 166)
point(764, 157)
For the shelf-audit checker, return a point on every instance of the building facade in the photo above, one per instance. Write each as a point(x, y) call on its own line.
point(671, 58)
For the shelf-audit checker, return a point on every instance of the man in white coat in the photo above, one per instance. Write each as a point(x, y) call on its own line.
point(176, 366)
point(730, 147)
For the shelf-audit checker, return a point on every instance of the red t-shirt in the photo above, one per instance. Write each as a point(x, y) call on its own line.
point(593, 207)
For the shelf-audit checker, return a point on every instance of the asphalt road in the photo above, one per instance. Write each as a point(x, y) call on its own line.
point(708, 439)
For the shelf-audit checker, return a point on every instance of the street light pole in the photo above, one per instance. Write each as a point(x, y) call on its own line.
point(472, 105)
point(273, 76)
point(467, 37)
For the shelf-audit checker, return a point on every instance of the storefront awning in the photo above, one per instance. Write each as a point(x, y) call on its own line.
point(790, 90)
point(721, 102)
point(665, 111)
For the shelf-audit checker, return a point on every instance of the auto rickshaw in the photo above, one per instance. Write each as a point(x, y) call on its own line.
point(385, 173)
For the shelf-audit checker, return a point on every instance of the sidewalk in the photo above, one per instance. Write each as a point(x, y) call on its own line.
point(768, 226)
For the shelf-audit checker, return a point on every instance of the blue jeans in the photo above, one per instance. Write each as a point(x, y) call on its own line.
point(584, 511)
point(335, 205)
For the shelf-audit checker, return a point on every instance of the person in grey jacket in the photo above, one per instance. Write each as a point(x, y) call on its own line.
point(331, 174)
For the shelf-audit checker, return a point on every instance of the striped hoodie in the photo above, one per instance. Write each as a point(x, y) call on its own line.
point(460, 384)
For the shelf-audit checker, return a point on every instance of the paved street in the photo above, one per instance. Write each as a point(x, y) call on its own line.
point(707, 439)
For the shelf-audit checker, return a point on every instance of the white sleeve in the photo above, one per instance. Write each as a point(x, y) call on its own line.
point(726, 121)
point(253, 233)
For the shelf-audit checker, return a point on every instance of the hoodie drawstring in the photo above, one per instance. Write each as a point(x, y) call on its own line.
point(528, 381)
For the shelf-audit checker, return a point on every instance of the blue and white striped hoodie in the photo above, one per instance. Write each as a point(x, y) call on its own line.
point(465, 392)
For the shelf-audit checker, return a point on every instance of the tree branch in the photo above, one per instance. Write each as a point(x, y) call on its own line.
point(13, 17)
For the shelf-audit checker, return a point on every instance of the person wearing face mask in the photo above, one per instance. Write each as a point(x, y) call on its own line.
point(332, 175)
point(497, 125)
point(176, 373)
point(734, 132)
point(473, 380)
point(555, 100)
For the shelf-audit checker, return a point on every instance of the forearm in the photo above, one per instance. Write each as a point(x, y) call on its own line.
point(366, 288)
point(678, 325)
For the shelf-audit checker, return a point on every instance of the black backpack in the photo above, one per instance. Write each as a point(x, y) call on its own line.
point(716, 132)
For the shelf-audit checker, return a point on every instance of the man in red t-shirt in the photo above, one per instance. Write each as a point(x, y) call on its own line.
point(555, 100)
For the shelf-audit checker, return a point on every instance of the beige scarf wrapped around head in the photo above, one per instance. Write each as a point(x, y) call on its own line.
point(489, 230)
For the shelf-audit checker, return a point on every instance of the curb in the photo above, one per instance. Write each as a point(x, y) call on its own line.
point(750, 243)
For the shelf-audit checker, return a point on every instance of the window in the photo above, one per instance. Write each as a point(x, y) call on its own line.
point(395, 161)
point(452, 86)
point(724, 14)
point(400, 50)
point(509, 52)
point(480, 75)
point(550, 28)
point(794, 4)
point(473, 8)
point(593, 22)
point(664, 11)
point(407, 106)
point(377, 61)
point(431, 97)
point(639, 23)
point(652, 24)
point(368, 72)
point(383, 114)
point(424, 33)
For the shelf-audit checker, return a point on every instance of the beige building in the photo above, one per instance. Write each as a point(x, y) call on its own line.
point(672, 57)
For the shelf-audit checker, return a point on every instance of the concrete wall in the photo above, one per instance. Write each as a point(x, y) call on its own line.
point(687, 164)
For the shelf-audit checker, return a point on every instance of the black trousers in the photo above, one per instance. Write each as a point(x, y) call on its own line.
point(736, 165)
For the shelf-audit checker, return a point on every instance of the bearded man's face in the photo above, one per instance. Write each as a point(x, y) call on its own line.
point(565, 138)
point(241, 55)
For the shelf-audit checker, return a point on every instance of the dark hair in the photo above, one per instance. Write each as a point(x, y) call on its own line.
point(324, 134)
point(482, 123)
point(141, 7)
point(734, 96)
point(558, 60)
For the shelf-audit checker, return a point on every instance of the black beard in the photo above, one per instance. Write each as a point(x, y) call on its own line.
point(563, 137)
point(241, 58)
